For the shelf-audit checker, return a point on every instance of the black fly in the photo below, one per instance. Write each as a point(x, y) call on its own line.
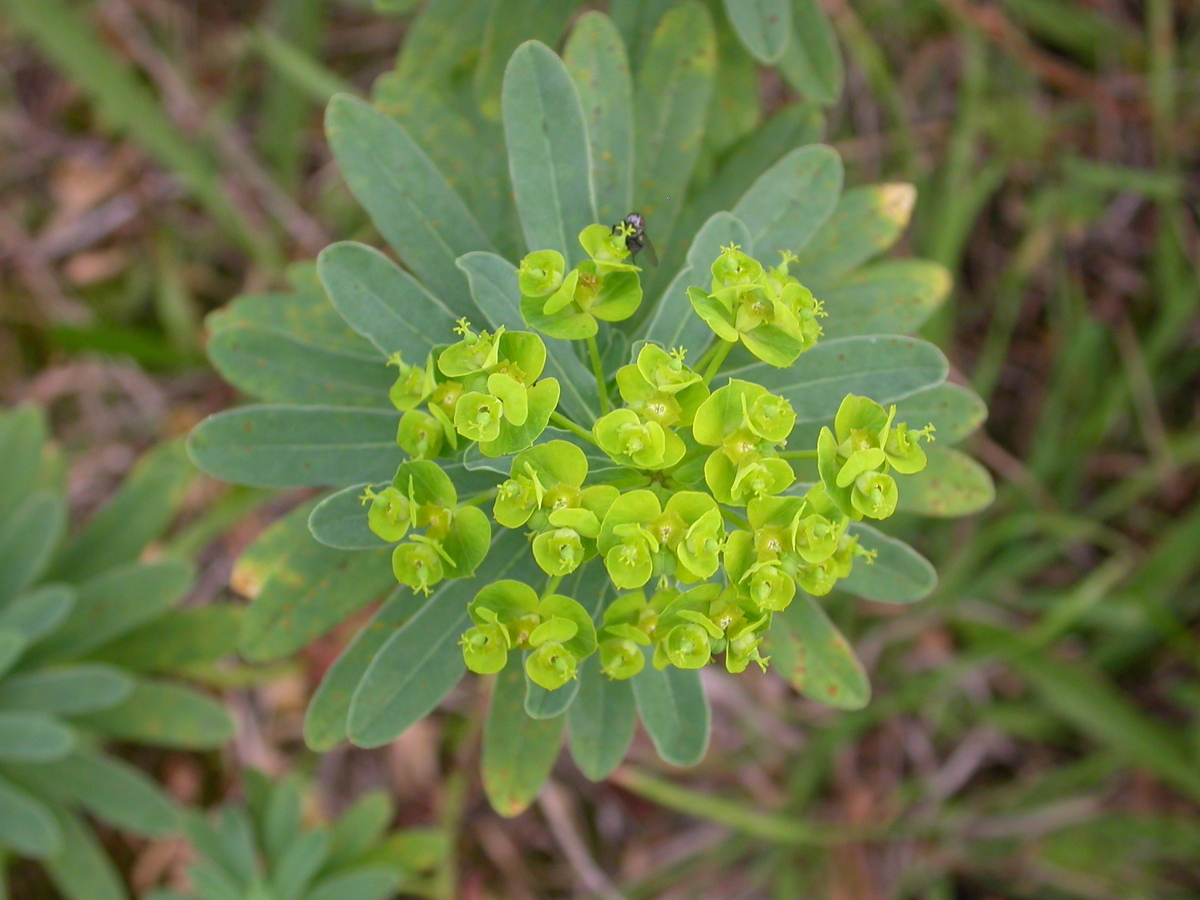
point(636, 240)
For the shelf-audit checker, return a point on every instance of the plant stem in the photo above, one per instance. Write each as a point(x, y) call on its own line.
point(563, 422)
point(798, 454)
point(481, 498)
point(714, 364)
point(598, 370)
point(552, 584)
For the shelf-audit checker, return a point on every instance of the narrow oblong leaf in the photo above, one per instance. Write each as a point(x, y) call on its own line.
point(109, 789)
point(816, 659)
point(764, 26)
point(866, 221)
point(39, 612)
point(548, 155)
point(280, 368)
point(518, 752)
point(26, 823)
point(360, 828)
point(494, 286)
point(82, 870)
point(812, 63)
point(115, 603)
point(673, 322)
point(361, 884)
point(165, 715)
point(340, 520)
point(511, 22)
point(22, 443)
point(419, 664)
point(674, 711)
point(893, 296)
point(898, 573)
point(188, 637)
point(137, 514)
point(297, 446)
point(300, 864)
point(313, 589)
point(790, 201)
point(595, 57)
point(384, 303)
point(954, 411)
point(885, 368)
point(952, 484)
point(66, 690)
point(601, 721)
point(33, 737)
point(674, 83)
point(408, 199)
point(326, 717)
point(28, 538)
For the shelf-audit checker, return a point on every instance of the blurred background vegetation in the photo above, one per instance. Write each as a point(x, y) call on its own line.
point(1035, 731)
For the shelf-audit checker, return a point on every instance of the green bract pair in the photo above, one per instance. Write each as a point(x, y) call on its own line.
point(484, 388)
point(455, 539)
point(568, 304)
point(771, 313)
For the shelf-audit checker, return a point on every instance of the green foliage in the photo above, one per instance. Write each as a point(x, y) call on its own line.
point(262, 849)
point(645, 514)
point(89, 636)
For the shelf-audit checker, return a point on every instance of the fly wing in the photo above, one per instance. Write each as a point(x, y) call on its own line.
point(648, 248)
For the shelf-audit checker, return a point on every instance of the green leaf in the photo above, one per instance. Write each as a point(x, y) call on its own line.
point(899, 574)
point(812, 62)
point(66, 690)
point(303, 315)
point(954, 411)
point(735, 109)
point(790, 201)
point(165, 715)
point(340, 520)
point(384, 303)
point(136, 515)
point(408, 199)
point(885, 368)
point(33, 737)
point(82, 869)
point(866, 221)
point(674, 83)
point(636, 20)
point(815, 658)
point(494, 286)
point(518, 752)
point(673, 323)
point(277, 809)
point(421, 662)
point(361, 884)
point(548, 156)
point(674, 711)
point(601, 721)
point(22, 442)
point(109, 789)
point(26, 824)
point(952, 484)
point(765, 26)
point(313, 589)
point(595, 57)
point(441, 39)
point(510, 23)
point(300, 865)
point(28, 538)
point(281, 368)
point(888, 297)
point(188, 637)
point(360, 828)
point(111, 605)
point(297, 446)
point(39, 612)
point(12, 645)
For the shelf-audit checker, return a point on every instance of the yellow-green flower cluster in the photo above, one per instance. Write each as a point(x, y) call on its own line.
point(484, 388)
point(771, 313)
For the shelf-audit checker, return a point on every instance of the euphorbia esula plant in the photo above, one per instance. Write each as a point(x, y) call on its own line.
point(588, 477)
